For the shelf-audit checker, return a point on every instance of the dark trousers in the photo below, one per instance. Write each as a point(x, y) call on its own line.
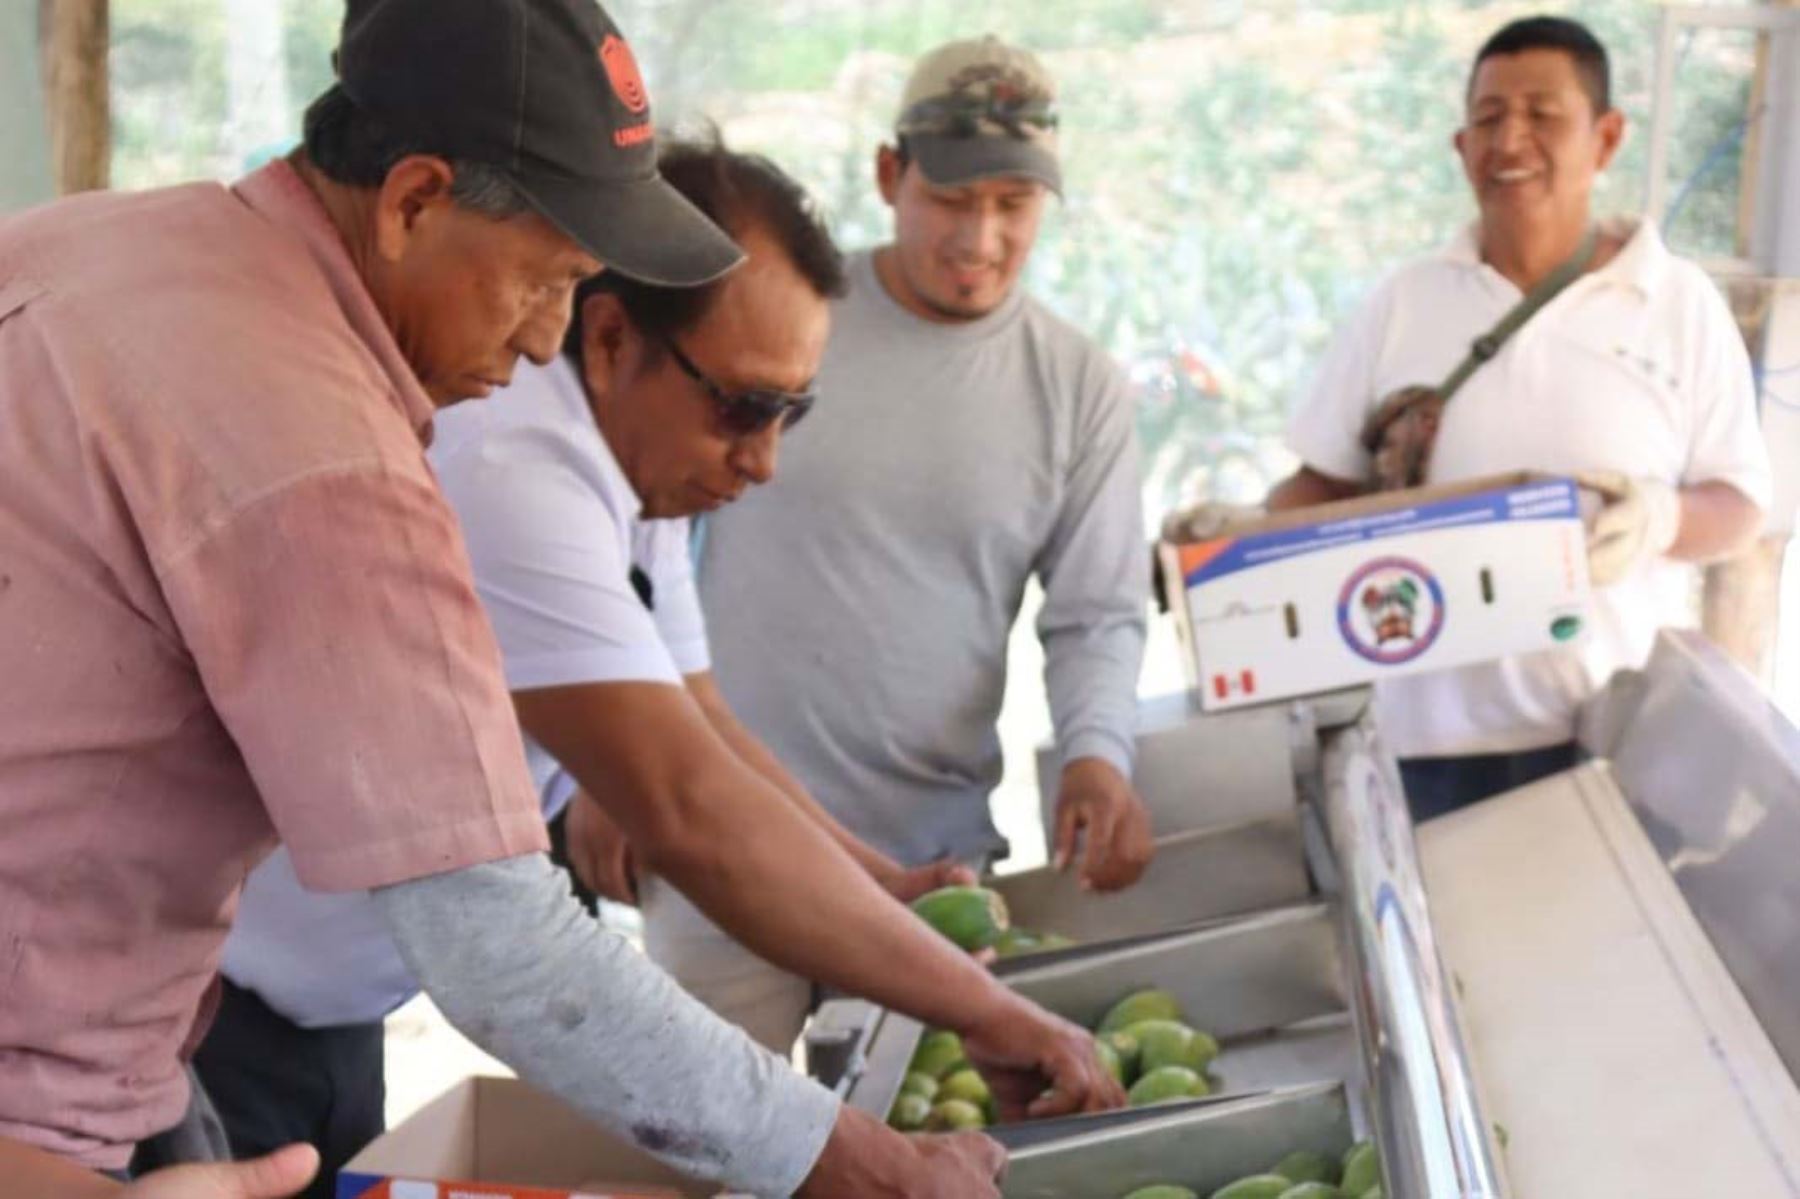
point(275, 1083)
point(1436, 786)
point(559, 857)
point(199, 1137)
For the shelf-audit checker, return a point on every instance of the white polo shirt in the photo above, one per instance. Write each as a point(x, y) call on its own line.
point(553, 530)
point(1636, 367)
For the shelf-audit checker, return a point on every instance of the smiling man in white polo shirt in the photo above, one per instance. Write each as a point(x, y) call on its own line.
point(1633, 378)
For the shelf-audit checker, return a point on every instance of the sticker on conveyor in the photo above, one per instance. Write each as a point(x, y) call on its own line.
point(1391, 610)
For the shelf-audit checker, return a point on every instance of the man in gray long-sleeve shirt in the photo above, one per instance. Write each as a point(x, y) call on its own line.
point(860, 608)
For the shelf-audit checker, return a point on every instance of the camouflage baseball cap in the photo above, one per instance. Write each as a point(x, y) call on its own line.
point(978, 109)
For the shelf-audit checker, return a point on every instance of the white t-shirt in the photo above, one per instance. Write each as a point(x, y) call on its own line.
point(1637, 367)
point(554, 530)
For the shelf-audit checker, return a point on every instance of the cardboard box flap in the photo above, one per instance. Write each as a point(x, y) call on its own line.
point(497, 1133)
point(1517, 496)
point(520, 1125)
point(1385, 501)
point(436, 1141)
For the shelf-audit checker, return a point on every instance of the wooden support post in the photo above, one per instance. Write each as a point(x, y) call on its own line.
point(1740, 605)
point(1750, 165)
point(73, 38)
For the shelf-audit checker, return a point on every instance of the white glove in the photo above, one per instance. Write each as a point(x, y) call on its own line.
point(1208, 520)
point(1639, 520)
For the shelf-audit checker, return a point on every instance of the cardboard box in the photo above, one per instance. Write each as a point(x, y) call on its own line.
point(1383, 585)
point(497, 1138)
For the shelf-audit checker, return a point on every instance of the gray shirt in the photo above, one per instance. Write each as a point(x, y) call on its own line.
point(859, 606)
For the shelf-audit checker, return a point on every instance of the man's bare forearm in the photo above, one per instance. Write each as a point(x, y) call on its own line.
point(1307, 487)
point(760, 758)
point(1717, 521)
point(744, 854)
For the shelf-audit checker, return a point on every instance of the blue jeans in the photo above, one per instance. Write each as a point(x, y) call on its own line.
point(1437, 786)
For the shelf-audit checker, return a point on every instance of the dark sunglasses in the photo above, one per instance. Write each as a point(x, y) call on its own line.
point(745, 413)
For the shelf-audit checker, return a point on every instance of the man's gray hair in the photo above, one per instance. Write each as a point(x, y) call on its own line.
point(481, 189)
point(351, 147)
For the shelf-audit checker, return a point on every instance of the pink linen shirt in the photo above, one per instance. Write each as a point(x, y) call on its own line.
point(233, 605)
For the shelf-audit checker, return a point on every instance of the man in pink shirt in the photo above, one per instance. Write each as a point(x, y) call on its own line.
point(234, 606)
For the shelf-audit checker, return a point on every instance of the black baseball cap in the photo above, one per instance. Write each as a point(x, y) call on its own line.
point(548, 93)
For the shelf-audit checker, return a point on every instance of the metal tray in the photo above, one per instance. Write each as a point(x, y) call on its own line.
point(1268, 986)
point(1199, 1147)
point(1235, 978)
point(1195, 877)
point(1195, 770)
point(1321, 1052)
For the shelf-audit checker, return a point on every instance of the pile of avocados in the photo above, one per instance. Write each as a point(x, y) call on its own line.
point(1143, 1041)
point(942, 1092)
point(1302, 1174)
point(1148, 1045)
point(975, 918)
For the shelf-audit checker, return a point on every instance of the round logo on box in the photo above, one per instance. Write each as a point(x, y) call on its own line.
point(1391, 610)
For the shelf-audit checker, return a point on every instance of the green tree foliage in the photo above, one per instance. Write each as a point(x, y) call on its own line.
point(1240, 172)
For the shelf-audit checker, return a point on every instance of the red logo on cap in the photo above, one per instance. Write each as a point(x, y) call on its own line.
point(622, 72)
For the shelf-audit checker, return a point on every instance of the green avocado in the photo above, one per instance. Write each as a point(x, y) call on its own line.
point(919, 1083)
point(973, 917)
point(1162, 1190)
point(1362, 1169)
point(965, 1084)
point(1171, 1043)
point(1109, 1057)
point(1015, 942)
point(1166, 1084)
point(909, 1112)
point(1304, 1165)
point(1312, 1190)
point(1153, 1004)
point(951, 1115)
point(1374, 1192)
point(938, 1051)
point(1257, 1186)
point(1129, 1051)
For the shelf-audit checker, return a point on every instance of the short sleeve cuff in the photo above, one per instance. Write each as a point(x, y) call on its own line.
point(1756, 484)
point(634, 664)
point(691, 657)
point(493, 837)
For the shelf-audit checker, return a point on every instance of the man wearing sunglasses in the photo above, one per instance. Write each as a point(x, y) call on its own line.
point(573, 486)
point(972, 442)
